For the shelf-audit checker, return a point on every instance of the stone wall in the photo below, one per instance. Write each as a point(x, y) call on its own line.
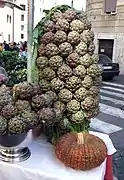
point(107, 26)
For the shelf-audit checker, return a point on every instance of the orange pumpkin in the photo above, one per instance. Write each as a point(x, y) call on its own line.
point(81, 151)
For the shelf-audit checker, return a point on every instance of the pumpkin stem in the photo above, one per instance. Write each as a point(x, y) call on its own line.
point(80, 138)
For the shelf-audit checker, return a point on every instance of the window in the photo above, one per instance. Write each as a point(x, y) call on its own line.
point(22, 17)
point(23, 6)
point(8, 37)
point(110, 6)
point(10, 19)
point(22, 36)
point(22, 27)
point(7, 18)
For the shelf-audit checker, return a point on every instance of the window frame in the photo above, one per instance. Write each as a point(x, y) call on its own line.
point(22, 19)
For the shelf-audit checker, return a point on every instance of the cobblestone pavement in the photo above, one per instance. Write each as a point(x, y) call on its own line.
point(118, 164)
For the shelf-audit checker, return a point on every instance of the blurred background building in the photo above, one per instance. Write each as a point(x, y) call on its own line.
point(107, 17)
point(18, 30)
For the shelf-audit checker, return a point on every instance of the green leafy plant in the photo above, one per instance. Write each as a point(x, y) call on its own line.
point(15, 66)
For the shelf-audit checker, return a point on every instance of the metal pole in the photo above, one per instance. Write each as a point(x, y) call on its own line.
point(30, 36)
point(72, 3)
point(13, 25)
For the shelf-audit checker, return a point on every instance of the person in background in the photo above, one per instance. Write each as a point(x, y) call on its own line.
point(20, 52)
point(24, 45)
point(6, 46)
point(1, 48)
point(15, 48)
point(24, 53)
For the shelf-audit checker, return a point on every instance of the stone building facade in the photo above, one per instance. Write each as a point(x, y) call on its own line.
point(108, 28)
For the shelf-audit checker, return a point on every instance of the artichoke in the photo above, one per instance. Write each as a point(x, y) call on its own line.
point(81, 48)
point(44, 85)
point(73, 60)
point(4, 90)
point(50, 97)
point(91, 48)
point(92, 35)
point(51, 50)
point(42, 62)
point(49, 26)
point(25, 90)
point(5, 99)
point(37, 102)
point(31, 119)
point(73, 106)
point(41, 50)
point(87, 24)
point(97, 81)
point(56, 16)
point(5, 96)
point(95, 58)
point(48, 73)
point(64, 72)
point(78, 117)
point(9, 111)
point(62, 25)
point(60, 37)
point(88, 103)
point(65, 49)
point(92, 112)
point(86, 36)
point(17, 125)
point(65, 95)
point(3, 125)
point(77, 25)
point(55, 62)
point(22, 105)
point(57, 84)
point(81, 94)
point(87, 82)
point(47, 116)
point(94, 91)
point(73, 37)
point(47, 38)
point(73, 83)
point(94, 70)
point(85, 60)
point(60, 106)
point(70, 15)
point(3, 79)
point(80, 71)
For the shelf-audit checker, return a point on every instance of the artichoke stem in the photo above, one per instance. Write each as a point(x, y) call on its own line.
point(80, 138)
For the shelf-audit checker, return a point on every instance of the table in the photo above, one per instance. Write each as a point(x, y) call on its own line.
point(43, 165)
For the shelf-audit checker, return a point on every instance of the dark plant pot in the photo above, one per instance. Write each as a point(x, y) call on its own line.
point(12, 140)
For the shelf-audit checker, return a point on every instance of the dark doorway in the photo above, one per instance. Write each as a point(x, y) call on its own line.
point(106, 47)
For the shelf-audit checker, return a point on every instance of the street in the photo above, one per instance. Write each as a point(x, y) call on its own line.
point(111, 120)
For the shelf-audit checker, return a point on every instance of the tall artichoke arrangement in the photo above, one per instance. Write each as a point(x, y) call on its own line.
point(68, 67)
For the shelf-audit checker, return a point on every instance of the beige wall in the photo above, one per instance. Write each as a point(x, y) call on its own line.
point(108, 27)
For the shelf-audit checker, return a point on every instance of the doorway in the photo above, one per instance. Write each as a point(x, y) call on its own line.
point(106, 47)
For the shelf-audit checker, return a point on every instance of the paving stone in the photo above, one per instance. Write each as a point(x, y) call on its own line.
point(118, 164)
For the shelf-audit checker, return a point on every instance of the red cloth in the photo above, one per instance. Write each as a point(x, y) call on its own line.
point(109, 171)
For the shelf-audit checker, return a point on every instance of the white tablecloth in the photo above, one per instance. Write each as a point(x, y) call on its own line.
point(43, 165)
